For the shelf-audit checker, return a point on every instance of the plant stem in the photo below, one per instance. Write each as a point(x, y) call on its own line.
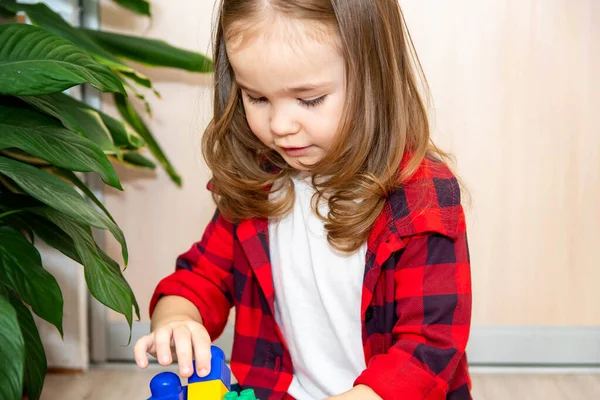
point(6, 214)
point(9, 185)
point(24, 157)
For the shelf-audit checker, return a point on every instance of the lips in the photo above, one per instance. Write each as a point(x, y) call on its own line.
point(295, 151)
point(295, 148)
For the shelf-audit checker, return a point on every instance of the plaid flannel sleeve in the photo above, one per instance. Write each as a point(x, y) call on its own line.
point(433, 306)
point(203, 275)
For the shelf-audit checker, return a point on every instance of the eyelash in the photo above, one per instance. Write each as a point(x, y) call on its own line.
point(305, 103)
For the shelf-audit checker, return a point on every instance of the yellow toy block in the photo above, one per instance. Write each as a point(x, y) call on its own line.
point(210, 390)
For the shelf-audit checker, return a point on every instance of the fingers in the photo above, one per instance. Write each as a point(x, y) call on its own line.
point(183, 346)
point(162, 343)
point(183, 341)
point(141, 348)
point(202, 343)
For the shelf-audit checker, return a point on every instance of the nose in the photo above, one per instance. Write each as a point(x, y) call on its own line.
point(282, 123)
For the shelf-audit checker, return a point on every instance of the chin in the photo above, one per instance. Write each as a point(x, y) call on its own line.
point(296, 163)
point(298, 167)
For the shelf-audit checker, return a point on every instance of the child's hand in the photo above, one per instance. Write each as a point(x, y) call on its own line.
point(182, 335)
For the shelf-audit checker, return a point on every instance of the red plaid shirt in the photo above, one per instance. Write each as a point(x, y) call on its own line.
point(416, 298)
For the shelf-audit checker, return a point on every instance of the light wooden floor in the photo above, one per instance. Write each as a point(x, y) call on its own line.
point(125, 382)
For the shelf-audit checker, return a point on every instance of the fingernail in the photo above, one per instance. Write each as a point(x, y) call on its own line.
point(203, 372)
point(165, 359)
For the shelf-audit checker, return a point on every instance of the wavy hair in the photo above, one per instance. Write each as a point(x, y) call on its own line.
point(383, 121)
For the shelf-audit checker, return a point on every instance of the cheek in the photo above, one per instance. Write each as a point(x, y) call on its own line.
point(256, 121)
point(326, 126)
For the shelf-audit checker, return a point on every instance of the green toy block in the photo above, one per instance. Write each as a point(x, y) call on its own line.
point(247, 394)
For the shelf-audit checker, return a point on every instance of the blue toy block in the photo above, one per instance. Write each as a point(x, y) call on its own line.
point(218, 369)
point(167, 386)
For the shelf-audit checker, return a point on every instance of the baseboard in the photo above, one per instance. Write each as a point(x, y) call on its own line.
point(65, 371)
point(512, 346)
point(534, 346)
point(524, 370)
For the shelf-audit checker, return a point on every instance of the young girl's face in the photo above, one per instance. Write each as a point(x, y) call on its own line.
point(293, 88)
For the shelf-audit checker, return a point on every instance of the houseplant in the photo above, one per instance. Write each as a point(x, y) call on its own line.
point(47, 138)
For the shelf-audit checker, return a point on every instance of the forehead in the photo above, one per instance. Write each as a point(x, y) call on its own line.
point(273, 25)
point(284, 51)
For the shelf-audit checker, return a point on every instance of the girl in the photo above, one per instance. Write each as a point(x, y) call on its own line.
point(339, 236)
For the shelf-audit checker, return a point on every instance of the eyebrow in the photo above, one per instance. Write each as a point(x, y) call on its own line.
point(297, 89)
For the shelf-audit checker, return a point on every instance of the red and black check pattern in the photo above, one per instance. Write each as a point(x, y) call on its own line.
point(416, 301)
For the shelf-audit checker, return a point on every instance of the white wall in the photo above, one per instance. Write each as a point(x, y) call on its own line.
point(516, 100)
point(157, 218)
point(517, 96)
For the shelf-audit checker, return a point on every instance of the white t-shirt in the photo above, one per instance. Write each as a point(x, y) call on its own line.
point(317, 300)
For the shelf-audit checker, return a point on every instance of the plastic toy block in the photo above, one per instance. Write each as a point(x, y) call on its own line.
point(247, 394)
point(214, 386)
point(218, 369)
point(210, 390)
point(167, 386)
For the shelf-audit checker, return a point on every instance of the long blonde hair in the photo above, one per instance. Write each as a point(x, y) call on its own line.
point(384, 119)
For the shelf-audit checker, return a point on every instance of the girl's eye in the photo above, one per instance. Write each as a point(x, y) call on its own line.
point(256, 100)
point(313, 102)
point(305, 103)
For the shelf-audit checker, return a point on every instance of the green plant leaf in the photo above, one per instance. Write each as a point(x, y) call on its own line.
point(113, 266)
point(36, 364)
point(44, 229)
point(14, 222)
point(132, 117)
point(76, 116)
point(139, 6)
point(47, 139)
point(6, 13)
point(142, 81)
point(47, 105)
point(12, 352)
point(52, 191)
point(82, 186)
point(102, 274)
point(151, 52)
point(131, 89)
point(123, 136)
point(126, 71)
point(135, 159)
point(41, 15)
point(34, 62)
point(8, 213)
point(59, 231)
point(25, 157)
point(13, 101)
point(21, 270)
point(52, 235)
